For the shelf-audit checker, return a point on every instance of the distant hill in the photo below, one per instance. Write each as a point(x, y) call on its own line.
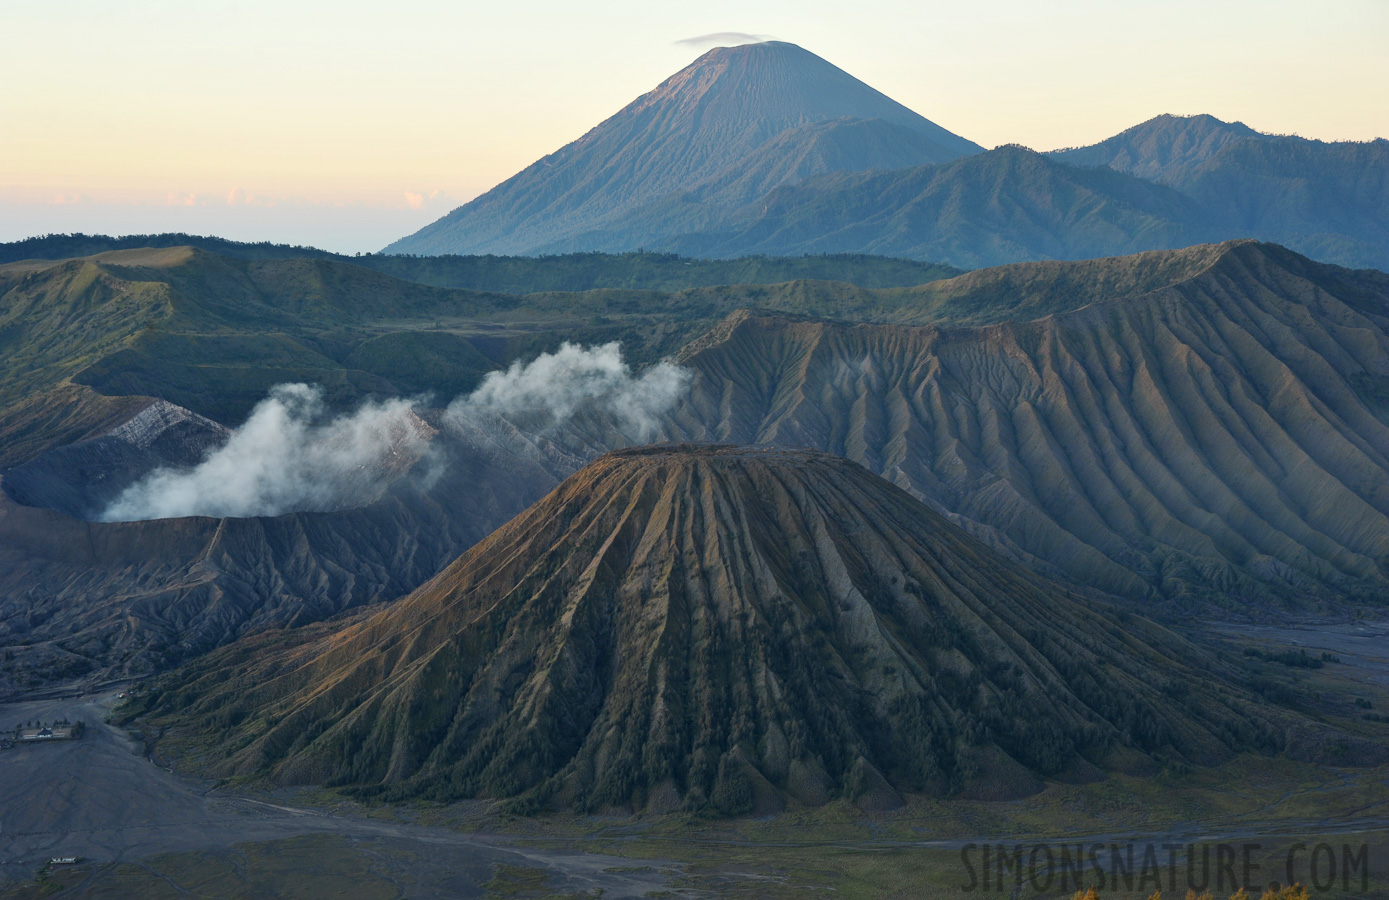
point(1330, 201)
point(1160, 145)
point(213, 333)
point(649, 271)
point(69, 246)
point(1327, 200)
point(724, 130)
point(988, 209)
point(719, 630)
point(633, 270)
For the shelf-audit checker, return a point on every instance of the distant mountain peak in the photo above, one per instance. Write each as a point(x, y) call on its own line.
point(1204, 121)
point(1160, 145)
point(768, 87)
point(699, 125)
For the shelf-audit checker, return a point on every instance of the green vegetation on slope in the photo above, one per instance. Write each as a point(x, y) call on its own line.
point(650, 271)
point(213, 333)
point(637, 270)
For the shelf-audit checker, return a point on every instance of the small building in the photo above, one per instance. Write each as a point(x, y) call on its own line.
point(56, 732)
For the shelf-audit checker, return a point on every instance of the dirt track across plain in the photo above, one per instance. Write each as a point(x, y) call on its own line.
point(100, 799)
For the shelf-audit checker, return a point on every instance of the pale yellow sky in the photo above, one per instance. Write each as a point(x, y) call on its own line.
point(347, 124)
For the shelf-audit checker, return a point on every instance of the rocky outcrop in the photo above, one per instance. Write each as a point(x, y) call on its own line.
point(80, 479)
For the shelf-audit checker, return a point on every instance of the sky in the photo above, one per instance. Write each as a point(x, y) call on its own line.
point(348, 124)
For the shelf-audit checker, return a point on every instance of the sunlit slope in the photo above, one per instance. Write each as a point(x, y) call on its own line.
point(1225, 438)
point(724, 629)
point(207, 332)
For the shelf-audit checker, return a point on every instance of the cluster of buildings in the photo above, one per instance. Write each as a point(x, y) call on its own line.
point(40, 732)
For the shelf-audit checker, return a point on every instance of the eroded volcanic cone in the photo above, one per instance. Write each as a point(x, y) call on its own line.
point(714, 627)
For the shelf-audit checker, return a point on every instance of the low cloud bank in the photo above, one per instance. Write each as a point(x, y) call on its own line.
point(290, 455)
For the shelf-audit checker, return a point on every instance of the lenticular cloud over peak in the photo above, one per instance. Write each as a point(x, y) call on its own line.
point(724, 39)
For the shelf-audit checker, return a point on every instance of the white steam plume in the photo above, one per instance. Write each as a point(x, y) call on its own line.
point(550, 390)
point(287, 457)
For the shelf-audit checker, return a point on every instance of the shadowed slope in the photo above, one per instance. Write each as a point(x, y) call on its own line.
point(120, 599)
point(1225, 438)
point(716, 627)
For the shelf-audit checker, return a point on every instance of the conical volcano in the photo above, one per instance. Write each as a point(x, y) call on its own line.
point(718, 628)
point(699, 132)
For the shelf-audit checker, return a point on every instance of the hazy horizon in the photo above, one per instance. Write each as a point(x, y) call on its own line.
point(344, 127)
